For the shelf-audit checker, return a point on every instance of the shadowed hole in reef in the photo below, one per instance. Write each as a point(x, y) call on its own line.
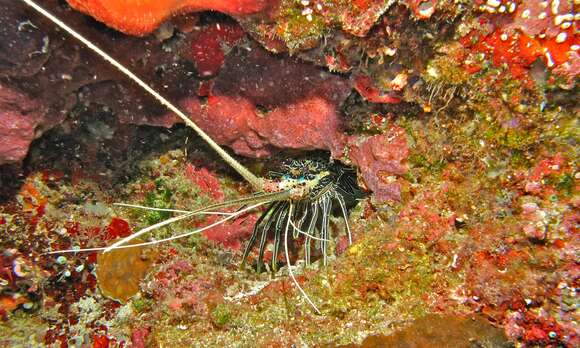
point(94, 142)
point(11, 177)
point(440, 331)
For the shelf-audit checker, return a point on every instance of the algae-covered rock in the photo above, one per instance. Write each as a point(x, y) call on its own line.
point(441, 331)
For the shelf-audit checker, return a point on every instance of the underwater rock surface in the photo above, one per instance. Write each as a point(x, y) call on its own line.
point(460, 118)
point(441, 331)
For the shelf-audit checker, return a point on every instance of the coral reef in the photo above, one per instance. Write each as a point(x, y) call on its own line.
point(461, 118)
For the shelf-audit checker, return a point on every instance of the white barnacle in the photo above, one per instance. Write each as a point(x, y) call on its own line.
point(555, 7)
point(549, 59)
point(566, 25)
point(525, 14)
point(561, 37)
point(559, 19)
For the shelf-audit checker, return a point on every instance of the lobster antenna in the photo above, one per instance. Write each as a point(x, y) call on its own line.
point(289, 264)
point(256, 182)
point(262, 199)
point(183, 235)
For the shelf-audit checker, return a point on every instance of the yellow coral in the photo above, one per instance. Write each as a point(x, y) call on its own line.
point(120, 271)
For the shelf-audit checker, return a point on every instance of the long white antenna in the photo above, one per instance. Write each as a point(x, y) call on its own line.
point(289, 265)
point(183, 235)
point(266, 198)
point(256, 182)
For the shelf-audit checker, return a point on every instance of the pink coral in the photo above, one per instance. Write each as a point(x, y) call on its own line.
point(533, 218)
point(549, 167)
point(426, 210)
point(139, 337)
point(380, 158)
point(20, 117)
point(232, 235)
point(172, 287)
point(260, 103)
point(360, 18)
point(205, 181)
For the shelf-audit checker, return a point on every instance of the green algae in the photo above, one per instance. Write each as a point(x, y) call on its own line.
point(221, 315)
point(442, 69)
point(159, 198)
point(141, 304)
point(565, 184)
point(512, 139)
point(296, 30)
